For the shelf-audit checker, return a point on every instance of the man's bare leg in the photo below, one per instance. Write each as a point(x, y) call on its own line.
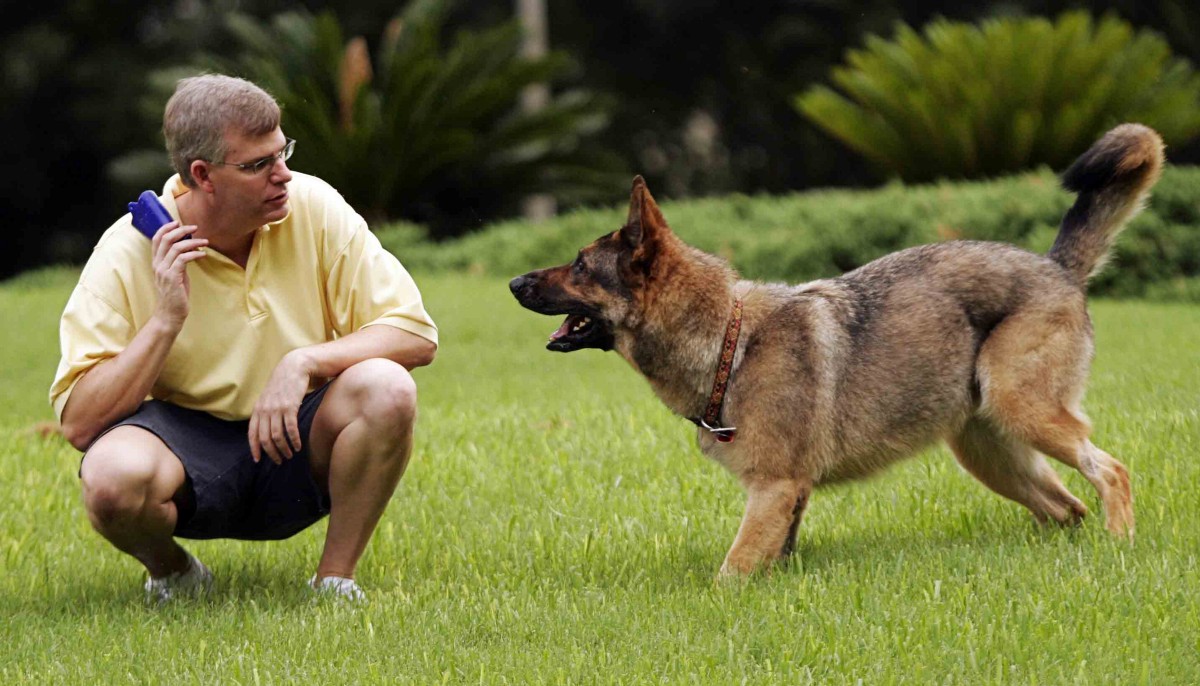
point(129, 479)
point(359, 445)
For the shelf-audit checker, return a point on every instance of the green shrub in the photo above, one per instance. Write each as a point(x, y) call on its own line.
point(424, 131)
point(964, 101)
point(818, 234)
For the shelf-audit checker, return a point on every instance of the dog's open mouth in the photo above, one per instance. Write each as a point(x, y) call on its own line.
point(580, 331)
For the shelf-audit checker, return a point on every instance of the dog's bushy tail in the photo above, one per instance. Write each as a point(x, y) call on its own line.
point(1113, 179)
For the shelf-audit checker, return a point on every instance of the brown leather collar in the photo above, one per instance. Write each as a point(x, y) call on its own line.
point(712, 414)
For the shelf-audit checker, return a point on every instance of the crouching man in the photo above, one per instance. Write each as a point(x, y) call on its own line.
point(246, 371)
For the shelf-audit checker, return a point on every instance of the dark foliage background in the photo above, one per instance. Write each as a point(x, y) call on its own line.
point(702, 90)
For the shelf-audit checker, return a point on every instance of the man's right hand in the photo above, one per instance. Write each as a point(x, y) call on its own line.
point(171, 253)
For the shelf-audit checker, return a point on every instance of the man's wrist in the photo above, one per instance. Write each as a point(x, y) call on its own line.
point(164, 326)
point(305, 361)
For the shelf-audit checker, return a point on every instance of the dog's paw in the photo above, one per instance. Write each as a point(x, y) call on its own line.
point(735, 571)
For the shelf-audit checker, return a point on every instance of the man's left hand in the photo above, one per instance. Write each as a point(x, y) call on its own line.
point(274, 428)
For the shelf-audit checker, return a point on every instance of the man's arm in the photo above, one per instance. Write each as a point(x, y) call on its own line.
point(273, 426)
point(326, 360)
point(113, 389)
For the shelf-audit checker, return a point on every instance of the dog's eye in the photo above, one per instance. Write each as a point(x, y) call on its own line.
point(577, 266)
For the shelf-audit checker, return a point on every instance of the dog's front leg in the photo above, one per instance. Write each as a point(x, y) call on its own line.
point(768, 530)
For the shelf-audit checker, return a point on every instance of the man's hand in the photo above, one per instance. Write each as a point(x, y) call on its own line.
point(171, 253)
point(274, 428)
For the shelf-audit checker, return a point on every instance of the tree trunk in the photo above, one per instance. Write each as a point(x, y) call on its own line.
point(532, 14)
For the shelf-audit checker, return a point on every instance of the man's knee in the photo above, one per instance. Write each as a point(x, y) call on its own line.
point(386, 391)
point(115, 485)
point(120, 476)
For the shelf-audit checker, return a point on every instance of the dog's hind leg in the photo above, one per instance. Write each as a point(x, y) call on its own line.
point(1032, 370)
point(768, 530)
point(1015, 471)
point(1063, 435)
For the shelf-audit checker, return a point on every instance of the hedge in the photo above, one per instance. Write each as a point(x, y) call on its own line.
point(823, 233)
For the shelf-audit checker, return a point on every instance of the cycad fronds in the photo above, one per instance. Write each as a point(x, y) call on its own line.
point(966, 101)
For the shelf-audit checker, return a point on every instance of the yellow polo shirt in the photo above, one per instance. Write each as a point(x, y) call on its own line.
point(316, 275)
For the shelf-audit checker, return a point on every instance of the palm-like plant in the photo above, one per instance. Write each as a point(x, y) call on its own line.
point(965, 101)
point(422, 131)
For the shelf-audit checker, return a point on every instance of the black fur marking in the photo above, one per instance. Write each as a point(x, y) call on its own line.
point(789, 543)
point(869, 286)
point(1100, 166)
point(865, 304)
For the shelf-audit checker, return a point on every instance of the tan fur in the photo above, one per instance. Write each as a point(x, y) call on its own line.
point(983, 345)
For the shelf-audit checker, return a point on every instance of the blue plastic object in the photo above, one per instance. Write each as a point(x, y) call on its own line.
point(148, 214)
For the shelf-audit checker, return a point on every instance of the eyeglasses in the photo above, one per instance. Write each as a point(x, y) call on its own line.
point(262, 164)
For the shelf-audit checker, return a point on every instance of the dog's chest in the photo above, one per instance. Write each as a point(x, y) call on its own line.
point(727, 454)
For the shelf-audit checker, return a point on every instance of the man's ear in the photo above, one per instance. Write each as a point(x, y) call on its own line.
point(202, 175)
point(645, 223)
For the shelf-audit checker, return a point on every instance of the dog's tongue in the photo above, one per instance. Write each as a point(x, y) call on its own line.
point(565, 328)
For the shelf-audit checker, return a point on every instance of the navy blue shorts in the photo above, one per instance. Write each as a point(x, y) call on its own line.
point(227, 494)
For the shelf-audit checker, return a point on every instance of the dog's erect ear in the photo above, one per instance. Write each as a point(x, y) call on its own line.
point(645, 222)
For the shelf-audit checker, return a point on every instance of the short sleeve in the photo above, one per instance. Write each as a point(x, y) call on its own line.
point(367, 285)
point(91, 331)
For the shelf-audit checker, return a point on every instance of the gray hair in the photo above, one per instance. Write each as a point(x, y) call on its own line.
point(203, 108)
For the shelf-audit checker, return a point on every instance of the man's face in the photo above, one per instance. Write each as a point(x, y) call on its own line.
point(256, 197)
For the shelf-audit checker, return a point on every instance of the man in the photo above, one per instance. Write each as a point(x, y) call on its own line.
point(231, 319)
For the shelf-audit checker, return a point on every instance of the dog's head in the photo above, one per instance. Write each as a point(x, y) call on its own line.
point(601, 290)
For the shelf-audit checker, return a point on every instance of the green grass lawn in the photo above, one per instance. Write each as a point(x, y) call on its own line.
point(558, 525)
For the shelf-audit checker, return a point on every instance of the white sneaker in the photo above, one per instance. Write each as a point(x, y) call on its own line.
point(196, 580)
point(338, 587)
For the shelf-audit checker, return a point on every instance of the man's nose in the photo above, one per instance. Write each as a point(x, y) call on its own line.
point(280, 172)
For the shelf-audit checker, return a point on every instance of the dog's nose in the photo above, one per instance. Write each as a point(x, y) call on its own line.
point(518, 284)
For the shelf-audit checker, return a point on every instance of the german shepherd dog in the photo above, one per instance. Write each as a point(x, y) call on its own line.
point(982, 344)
